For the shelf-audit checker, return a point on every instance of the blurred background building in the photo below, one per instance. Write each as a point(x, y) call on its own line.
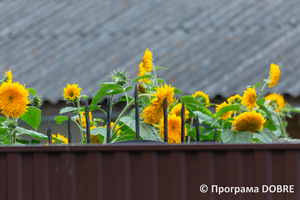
point(216, 46)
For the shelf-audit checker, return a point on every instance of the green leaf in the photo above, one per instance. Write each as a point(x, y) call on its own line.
point(261, 101)
point(123, 98)
point(162, 81)
point(84, 96)
point(128, 134)
point(2, 119)
point(230, 136)
point(128, 88)
point(32, 117)
point(226, 109)
point(33, 141)
point(31, 91)
point(60, 119)
point(274, 124)
point(160, 68)
point(191, 102)
point(192, 133)
point(258, 84)
point(205, 118)
point(147, 132)
point(98, 120)
point(68, 109)
point(35, 134)
point(3, 138)
point(265, 136)
point(105, 90)
point(142, 77)
point(295, 110)
point(101, 131)
point(177, 91)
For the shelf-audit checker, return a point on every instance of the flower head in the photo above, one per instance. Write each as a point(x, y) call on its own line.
point(8, 77)
point(13, 99)
point(249, 98)
point(275, 75)
point(202, 97)
point(147, 61)
point(83, 119)
point(59, 139)
point(226, 115)
point(234, 99)
point(71, 92)
point(119, 77)
point(153, 113)
point(142, 72)
point(249, 121)
point(116, 128)
point(176, 110)
point(174, 129)
point(278, 99)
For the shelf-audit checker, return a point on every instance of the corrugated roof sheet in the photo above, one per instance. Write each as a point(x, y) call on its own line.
point(215, 46)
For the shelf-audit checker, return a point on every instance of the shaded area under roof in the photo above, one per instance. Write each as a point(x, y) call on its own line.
point(219, 47)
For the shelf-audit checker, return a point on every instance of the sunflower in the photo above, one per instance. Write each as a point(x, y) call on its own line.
point(275, 75)
point(249, 98)
point(176, 110)
point(147, 61)
point(13, 99)
point(142, 72)
point(174, 129)
point(234, 99)
point(280, 102)
point(83, 119)
point(249, 121)
point(153, 113)
point(8, 77)
point(116, 128)
point(61, 139)
point(71, 92)
point(226, 115)
point(202, 97)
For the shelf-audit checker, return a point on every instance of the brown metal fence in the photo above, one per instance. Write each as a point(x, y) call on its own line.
point(146, 171)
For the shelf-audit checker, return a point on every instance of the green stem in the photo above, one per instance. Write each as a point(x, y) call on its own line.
point(124, 110)
point(80, 121)
point(234, 115)
point(155, 77)
point(111, 102)
point(284, 133)
point(262, 89)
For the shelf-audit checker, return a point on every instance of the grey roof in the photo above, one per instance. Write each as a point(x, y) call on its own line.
point(215, 46)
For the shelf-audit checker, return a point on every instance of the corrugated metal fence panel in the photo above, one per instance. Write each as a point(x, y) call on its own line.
point(146, 172)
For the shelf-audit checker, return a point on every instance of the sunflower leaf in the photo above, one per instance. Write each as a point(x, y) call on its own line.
point(230, 136)
point(162, 81)
point(265, 136)
point(60, 119)
point(226, 109)
point(68, 109)
point(31, 91)
point(261, 101)
point(177, 91)
point(101, 131)
point(160, 68)
point(20, 131)
point(106, 90)
point(32, 117)
point(142, 77)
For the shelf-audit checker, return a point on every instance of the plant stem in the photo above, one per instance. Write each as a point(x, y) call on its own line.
point(284, 133)
point(234, 115)
point(80, 121)
point(262, 89)
point(124, 110)
point(155, 77)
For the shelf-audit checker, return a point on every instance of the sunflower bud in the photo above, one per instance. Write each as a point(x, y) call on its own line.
point(120, 78)
point(36, 102)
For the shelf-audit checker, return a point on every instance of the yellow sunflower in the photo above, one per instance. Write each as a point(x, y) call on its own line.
point(83, 119)
point(202, 97)
point(275, 75)
point(280, 102)
point(13, 99)
point(116, 128)
point(176, 110)
point(147, 61)
point(249, 98)
point(153, 113)
point(71, 92)
point(249, 121)
point(226, 115)
point(61, 139)
point(8, 77)
point(142, 72)
point(234, 99)
point(174, 129)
